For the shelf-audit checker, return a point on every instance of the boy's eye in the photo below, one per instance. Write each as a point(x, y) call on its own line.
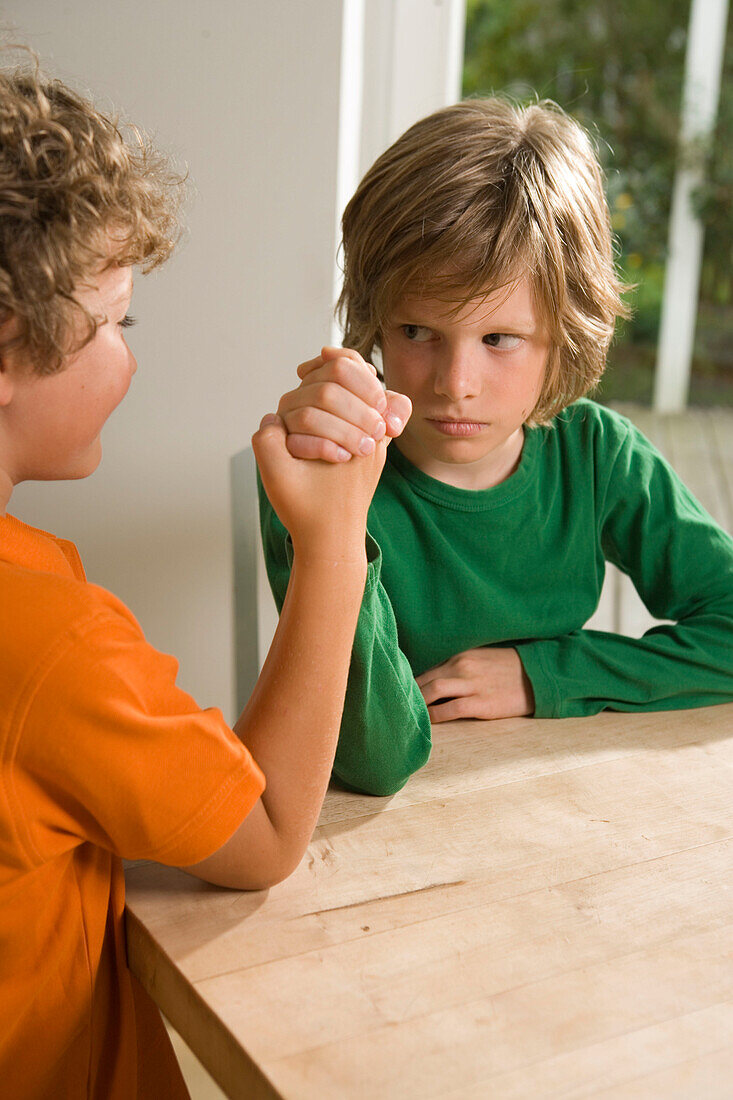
point(417, 333)
point(502, 340)
point(127, 321)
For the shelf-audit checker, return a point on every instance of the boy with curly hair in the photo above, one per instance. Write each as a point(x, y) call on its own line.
point(102, 756)
point(478, 264)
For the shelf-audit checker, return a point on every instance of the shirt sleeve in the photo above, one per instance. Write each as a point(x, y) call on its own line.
point(385, 728)
point(112, 752)
point(681, 563)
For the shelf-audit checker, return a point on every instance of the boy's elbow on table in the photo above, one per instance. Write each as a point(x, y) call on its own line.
point(370, 761)
point(257, 856)
point(374, 790)
point(377, 779)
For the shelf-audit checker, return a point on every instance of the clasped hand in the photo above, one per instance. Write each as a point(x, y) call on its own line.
point(340, 408)
point(479, 683)
point(323, 505)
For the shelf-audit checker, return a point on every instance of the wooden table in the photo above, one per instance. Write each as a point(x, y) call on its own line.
point(545, 910)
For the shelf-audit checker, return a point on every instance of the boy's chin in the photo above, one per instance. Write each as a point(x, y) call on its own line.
point(80, 467)
point(87, 467)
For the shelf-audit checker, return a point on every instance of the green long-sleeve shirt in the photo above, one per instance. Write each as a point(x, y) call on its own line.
point(522, 565)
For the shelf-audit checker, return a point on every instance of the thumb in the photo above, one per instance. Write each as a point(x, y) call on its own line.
point(399, 410)
point(270, 438)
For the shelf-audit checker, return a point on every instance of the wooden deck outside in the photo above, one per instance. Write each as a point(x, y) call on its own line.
point(698, 443)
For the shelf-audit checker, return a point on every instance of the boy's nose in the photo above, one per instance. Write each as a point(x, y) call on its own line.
point(459, 376)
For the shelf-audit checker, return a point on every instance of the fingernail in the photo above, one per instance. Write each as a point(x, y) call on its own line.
point(343, 455)
point(394, 423)
point(271, 418)
point(367, 445)
point(379, 431)
point(381, 404)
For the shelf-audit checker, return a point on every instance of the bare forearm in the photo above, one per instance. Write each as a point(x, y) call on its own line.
point(291, 723)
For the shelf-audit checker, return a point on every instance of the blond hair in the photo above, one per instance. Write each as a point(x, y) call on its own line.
point(471, 198)
point(71, 181)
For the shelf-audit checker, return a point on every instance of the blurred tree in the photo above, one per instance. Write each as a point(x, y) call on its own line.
point(619, 69)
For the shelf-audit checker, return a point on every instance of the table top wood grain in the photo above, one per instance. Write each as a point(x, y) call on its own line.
point(545, 910)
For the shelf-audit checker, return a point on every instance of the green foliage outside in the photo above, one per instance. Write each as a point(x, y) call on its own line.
point(618, 68)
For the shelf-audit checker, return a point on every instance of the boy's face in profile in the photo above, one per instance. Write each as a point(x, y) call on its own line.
point(473, 379)
point(51, 424)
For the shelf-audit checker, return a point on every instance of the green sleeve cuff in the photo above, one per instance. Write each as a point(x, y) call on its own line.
point(547, 702)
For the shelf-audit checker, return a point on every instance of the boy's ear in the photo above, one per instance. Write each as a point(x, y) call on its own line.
point(6, 387)
point(7, 342)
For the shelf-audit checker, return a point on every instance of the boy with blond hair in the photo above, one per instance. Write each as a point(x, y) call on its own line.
point(478, 265)
point(102, 756)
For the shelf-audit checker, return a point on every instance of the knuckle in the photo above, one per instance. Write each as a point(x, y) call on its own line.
point(261, 440)
point(306, 418)
point(325, 394)
point(378, 393)
point(342, 369)
point(320, 447)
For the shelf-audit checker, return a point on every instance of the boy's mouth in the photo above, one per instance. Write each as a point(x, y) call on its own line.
point(456, 427)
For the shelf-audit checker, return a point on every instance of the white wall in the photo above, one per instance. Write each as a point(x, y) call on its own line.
point(246, 93)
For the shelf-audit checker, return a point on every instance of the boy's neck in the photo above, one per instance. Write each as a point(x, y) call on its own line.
point(6, 491)
point(487, 473)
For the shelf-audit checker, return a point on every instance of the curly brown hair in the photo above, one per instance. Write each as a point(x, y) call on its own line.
point(77, 190)
point(471, 198)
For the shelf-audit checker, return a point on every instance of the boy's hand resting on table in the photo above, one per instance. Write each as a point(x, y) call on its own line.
point(340, 408)
point(323, 505)
point(479, 683)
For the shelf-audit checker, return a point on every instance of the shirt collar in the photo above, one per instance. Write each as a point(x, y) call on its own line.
point(34, 549)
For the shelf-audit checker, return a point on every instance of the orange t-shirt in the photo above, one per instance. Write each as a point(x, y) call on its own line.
point(102, 758)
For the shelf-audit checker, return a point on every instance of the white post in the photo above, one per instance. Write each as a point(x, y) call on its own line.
point(413, 65)
point(400, 60)
point(351, 91)
point(703, 68)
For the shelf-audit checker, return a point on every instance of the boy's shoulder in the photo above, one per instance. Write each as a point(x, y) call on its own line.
point(592, 428)
point(587, 416)
point(57, 600)
point(45, 614)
